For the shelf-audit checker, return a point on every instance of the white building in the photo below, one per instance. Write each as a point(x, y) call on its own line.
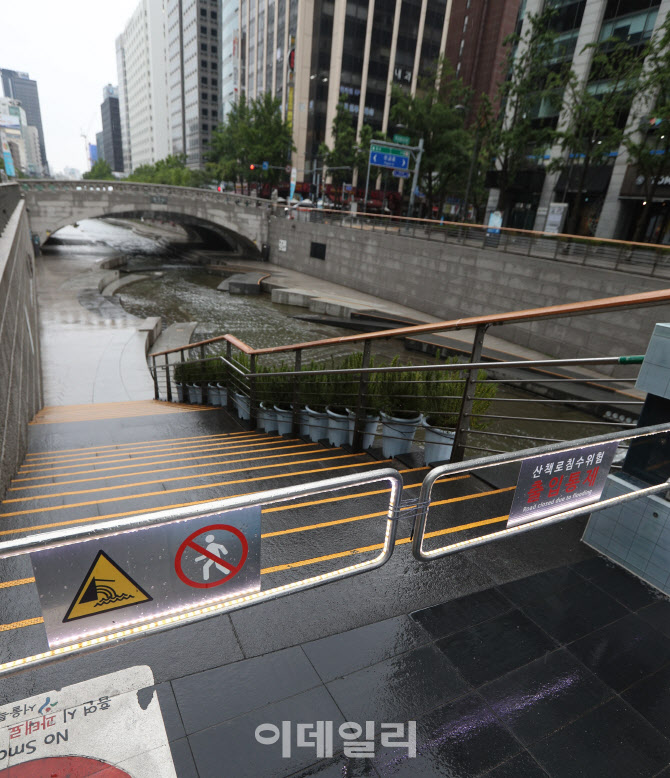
point(141, 57)
point(230, 44)
point(23, 140)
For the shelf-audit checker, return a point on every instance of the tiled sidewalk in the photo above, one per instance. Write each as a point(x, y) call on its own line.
point(564, 673)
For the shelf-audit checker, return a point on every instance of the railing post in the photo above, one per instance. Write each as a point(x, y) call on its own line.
point(296, 392)
point(154, 371)
point(252, 391)
point(359, 421)
point(203, 382)
point(463, 427)
point(167, 379)
point(229, 393)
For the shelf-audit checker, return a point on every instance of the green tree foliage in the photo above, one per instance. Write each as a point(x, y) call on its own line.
point(343, 153)
point(253, 132)
point(172, 171)
point(594, 116)
point(101, 171)
point(649, 146)
point(437, 114)
point(516, 136)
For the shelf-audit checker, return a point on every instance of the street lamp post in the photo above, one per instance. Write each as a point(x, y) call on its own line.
point(415, 178)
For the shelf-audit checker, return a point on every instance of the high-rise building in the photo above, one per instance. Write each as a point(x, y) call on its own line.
point(193, 41)
point(111, 148)
point(100, 145)
point(143, 98)
point(612, 194)
point(310, 54)
point(229, 60)
point(19, 86)
point(22, 138)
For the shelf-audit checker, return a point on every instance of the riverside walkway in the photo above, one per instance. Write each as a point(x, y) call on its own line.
point(524, 658)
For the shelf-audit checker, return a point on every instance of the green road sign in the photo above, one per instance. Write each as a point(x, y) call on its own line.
point(377, 148)
point(403, 139)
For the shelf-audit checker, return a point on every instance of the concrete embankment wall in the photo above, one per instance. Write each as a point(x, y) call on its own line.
point(20, 376)
point(451, 281)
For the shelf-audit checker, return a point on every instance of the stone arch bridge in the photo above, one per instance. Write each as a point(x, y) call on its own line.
point(236, 222)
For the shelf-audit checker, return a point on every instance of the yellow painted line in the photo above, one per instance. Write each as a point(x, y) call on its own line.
point(162, 470)
point(470, 496)
point(129, 446)
point(82, 417)
point(323, 524)
point(375, 547)
point(150, 453)
point(128, 465)
point(185, 489)
point(18, 624)
point(17, 582)
point(99, 489)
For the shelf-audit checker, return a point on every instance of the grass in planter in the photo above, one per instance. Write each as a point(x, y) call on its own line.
point(442, 392)
point(397, 393)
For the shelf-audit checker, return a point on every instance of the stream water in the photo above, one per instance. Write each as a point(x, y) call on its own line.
point(180, 292)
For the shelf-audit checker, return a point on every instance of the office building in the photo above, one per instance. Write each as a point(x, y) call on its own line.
point(194, 90)
point(21, 138)
point(143, 97)
point(19, 86)
point(111, 148)
point(100, 145)
point(614, 195)
point(229, 60)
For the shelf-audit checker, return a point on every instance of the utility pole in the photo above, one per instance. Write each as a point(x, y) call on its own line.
point(415, 178)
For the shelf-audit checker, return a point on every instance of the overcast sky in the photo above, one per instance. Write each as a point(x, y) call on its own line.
point(67, 46)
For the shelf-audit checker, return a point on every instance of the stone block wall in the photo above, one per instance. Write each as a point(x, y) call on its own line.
point(451, 281)
point(20, 367)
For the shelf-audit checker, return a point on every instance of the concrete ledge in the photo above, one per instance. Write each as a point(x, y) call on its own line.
point(298, 297)
point(152, 326)
point(110, 289)
point(107, 278)
point(242, 283)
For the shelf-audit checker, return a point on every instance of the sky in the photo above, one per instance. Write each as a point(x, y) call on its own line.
point(68, 47)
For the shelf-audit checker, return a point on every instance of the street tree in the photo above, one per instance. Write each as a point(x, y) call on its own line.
point(594, 116)
point(343, 156)
point(517, 136)
point(437, 113)
point(252, 132)
point(648, 146)
point(171, 171)
point(100, 171)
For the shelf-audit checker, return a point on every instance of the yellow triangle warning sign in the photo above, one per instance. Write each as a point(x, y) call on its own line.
point(106, 587)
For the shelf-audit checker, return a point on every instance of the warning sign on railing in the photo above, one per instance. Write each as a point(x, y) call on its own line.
point(560, 481)
point(95, 586)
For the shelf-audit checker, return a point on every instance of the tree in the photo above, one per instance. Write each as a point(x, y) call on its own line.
point(649, 147)
point(101, 171)
point(594, 116)
point(172, 171)
point(437, 114)
point(343, 154)
point(253, 132)
point(517, 136)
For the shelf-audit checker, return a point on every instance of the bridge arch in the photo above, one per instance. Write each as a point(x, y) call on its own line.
point(239, 223)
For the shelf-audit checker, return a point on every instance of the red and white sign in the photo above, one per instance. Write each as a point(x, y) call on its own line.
point(209, 542)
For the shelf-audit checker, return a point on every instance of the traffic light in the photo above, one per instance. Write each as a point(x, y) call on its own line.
point(252, 167)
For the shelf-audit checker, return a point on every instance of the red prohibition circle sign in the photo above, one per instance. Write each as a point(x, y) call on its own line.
point(190, 543)
point(64, 767)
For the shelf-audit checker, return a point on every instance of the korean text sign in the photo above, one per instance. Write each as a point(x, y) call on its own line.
point(560, 481)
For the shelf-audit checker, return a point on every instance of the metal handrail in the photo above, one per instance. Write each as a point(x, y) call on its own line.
point(64, 537)
point(437, 473)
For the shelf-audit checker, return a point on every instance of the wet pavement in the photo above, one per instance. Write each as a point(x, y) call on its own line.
point(521, 658)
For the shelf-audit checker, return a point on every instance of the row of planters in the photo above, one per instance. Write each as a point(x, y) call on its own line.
point(401, 400)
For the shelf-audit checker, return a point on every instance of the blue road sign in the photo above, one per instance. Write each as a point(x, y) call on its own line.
point(381, 159)
point(266, 165)
point(401, 173)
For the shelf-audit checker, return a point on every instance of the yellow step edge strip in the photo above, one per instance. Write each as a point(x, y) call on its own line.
point(100, 489)
point(131, 457)
point(123, 446)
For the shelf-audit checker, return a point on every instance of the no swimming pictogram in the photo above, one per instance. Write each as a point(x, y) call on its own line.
point(211, 554)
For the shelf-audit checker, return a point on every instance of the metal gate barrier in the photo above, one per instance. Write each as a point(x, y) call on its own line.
point(53, 554)
point(420, 535)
